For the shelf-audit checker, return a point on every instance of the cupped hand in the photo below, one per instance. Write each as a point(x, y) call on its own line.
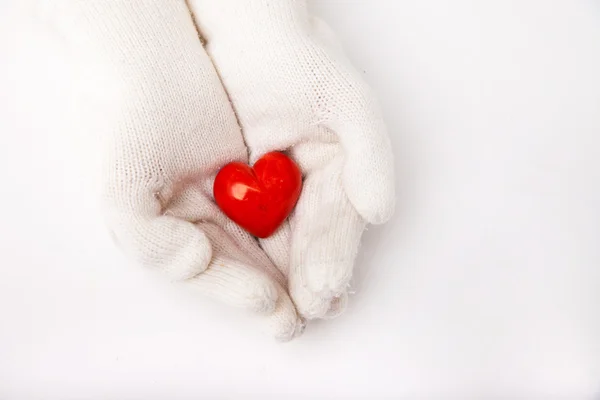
point(167, 127)
point(294, 90)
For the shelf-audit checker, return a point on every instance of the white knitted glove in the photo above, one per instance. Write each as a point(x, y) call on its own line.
point(169, 127)
point(293, 89)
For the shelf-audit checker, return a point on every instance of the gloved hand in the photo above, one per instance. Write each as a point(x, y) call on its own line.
point(168, 127)
point(293, 89)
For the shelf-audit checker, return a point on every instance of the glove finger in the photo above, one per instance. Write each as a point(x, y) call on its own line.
point(326, 231)
point(237, 284)
point(234, 277)
point(277, 247)
point(368, 172)
point(167, 243)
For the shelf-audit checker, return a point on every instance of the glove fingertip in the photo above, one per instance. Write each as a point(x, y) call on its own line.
point(372, 193)
point(191, 257)
point(284, 322)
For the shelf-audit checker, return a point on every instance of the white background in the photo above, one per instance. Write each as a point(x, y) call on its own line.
point(486, 283)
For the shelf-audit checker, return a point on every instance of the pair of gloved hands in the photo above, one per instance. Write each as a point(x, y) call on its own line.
point(197, 84)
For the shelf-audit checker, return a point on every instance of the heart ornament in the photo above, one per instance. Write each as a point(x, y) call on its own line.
point(261, 197)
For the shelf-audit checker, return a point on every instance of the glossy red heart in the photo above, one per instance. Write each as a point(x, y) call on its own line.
point(259, 198)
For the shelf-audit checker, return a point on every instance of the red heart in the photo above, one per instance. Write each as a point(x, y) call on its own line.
point(259, 199)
